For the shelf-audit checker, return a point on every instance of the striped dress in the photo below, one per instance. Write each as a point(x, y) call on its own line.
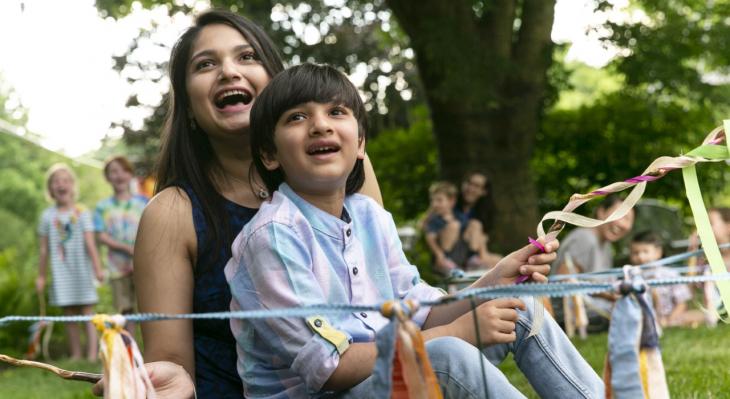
point(72, 277)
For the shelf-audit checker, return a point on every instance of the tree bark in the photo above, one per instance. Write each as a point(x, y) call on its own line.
point(484, 75)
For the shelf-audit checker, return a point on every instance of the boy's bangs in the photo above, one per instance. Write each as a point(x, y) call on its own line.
point(324, 87)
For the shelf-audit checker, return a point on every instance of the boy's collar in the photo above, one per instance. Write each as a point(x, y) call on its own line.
point(317, 218)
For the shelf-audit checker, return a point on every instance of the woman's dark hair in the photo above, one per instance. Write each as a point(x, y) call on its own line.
point(483, 209)
point(186, 156)
point(298, 85)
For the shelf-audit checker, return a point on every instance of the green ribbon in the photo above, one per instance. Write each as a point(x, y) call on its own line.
point(699, 212)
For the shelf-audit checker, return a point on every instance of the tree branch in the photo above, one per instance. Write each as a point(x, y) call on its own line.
point(534, 36)
point(496, 27)
point(418, 17)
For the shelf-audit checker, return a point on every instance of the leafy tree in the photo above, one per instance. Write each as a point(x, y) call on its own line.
point(672, 66)
point(484, 67)
point(616, 138)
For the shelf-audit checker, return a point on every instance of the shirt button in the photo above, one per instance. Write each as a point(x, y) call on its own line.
point(318, 323)
point(348, 232)
point(354, 270)
point(363, 314)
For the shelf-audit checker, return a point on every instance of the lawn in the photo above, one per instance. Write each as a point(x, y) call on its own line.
point(696, 362)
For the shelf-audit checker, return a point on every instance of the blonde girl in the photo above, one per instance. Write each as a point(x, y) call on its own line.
point(66, 235)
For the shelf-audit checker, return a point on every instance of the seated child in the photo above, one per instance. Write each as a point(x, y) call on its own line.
point(443, 230)
point(318, 242)
point(670, 302)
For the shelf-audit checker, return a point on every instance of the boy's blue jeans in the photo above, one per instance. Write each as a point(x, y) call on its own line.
point(549, 360)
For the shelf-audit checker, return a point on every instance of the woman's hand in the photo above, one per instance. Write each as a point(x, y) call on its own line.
point(170, 381)
point(527, 261)
point(496, 319)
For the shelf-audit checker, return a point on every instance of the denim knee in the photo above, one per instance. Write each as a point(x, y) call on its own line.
point(445, 347)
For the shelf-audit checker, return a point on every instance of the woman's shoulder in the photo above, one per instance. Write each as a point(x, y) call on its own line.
point(168, 214)
point(170, 203)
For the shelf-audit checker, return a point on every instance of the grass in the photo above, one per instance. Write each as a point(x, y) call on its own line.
point(30, 383)
point(695, 361)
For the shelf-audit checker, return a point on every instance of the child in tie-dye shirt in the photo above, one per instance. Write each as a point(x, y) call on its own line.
point(116, 220)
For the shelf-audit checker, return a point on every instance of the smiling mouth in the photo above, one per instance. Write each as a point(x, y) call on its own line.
point(322, 149)
point(233, 97)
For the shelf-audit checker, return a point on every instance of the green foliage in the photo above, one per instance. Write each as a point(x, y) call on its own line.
point(585, 85)
point(617, 137)
point(32, 383)
point(405, 162)
point(675, 47)
point(11, 110)
point(23, 165)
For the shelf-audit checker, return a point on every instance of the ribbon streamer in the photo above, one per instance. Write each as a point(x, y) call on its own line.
point(402, 369)
point(709, 151)
point(125, 376)
point(634, 367)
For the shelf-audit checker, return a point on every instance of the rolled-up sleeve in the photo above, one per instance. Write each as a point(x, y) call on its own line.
point(272, 269)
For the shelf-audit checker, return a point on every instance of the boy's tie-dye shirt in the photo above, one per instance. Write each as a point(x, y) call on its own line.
point(120, 220)
point(293, 254)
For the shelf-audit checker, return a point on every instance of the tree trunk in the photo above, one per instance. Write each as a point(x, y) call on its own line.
point(485, 75)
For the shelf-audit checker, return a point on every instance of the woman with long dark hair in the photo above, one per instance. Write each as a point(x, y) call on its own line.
point(206, 192)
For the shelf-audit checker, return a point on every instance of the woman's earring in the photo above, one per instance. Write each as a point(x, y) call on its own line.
point(263, 193)
point(193, 125)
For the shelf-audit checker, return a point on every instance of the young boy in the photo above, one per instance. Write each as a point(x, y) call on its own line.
point(443, 230)
point(670, 302)
point(317, 242)
point(115, 221)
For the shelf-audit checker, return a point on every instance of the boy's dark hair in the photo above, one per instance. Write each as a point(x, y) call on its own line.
point(298, 85)
point(647, 237)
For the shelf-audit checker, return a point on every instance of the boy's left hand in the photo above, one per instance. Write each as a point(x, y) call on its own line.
point(528, 260)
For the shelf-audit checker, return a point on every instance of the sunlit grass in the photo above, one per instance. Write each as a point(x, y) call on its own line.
point(695, 360)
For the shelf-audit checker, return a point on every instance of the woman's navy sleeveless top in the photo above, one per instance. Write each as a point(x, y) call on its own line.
point(215, 348)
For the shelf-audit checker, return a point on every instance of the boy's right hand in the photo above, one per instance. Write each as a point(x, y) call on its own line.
point(497, 320)
point(40, 284)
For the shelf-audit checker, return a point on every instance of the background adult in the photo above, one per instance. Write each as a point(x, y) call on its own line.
point(475, 209)
point(590, 250)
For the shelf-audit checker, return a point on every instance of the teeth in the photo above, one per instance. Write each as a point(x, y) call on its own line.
point(320, 149)
point(232, 93)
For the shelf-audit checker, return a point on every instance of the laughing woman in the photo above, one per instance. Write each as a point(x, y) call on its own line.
point(206, 191)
